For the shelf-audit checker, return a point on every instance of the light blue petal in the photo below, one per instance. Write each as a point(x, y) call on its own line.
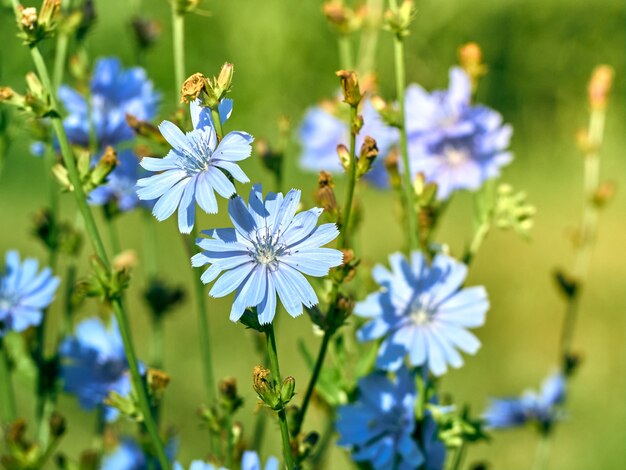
point(315, 261)
point(284, 288)
point(157, 185)
point(436, 358)
point(175, 137)
point(250, 461)
point(168, 203)
point(219, 181)
point(187, 208)
point(287, 211)
point(240, 216)
point(301, 227)
point(301, 287)
point(234, 147)
point(231, 280)
point(158, 164)
point(225, 109)
point(461, 338)
point(370, 307)
point(232, 168)
point(451, 276)
point(205, 195)
point(267, 308)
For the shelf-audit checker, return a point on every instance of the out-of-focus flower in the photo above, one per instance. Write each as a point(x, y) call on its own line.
point(194, 169)
point(93, 364)
point(542, 407)
point(121, 185)
point(114, 92)
point(321, 132)
point(250, 461)
point(24, 293)
point(198, 465)
point(455, 144)
point(422, 311)
point(379, 426)
point(266, 254)
point(434, 450)
point(128, 455)
point(37, 148)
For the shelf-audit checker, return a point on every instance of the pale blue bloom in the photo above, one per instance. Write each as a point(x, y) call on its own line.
point(198, 465)
point(128, 455)
point(114, 92)
point(250, 461)
point(321, 132)
point(267, 253)
point(24, 293)
point(454, 143)
point(120, 187)
point(195, 168)
point(379, 426)
point(93, 363)
point(422, 311)
point(542, 407)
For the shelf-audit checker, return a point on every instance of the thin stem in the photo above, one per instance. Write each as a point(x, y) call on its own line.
point(345, 52)
point(457, 458)
point(217, 122)
point(311, 386)
point(543, 452)
point(7, 397)
point(282, 417)
point(59, 60)
point(114, 237)
point(409, 193)
point(347, 210)
point(178, 33)
point(477, 240)
point(203, 320)
point(369, 38)
point(94, 236)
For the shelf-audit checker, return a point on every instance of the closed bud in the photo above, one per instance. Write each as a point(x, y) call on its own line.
point(398, 21)
point(287, 390)
point(349, 87)
point(344, 156)
point(35, 87)
point(470, 58)
point(604, 193)
point(58, 425)
point(9, 96)
point(391, 164)
point(225, 78)
point(185, 6)
point(193, 87)
point(157, 380)
point(107, 163)
point(16, 432)
point(367, 155)
point(600, 86)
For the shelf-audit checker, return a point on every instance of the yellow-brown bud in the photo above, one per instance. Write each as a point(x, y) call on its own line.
point(28, 17)
point(349, 87)
point(192, 87)
point(600, 86)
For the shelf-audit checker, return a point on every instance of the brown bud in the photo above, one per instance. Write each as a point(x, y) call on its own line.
point(604, 193)
point(325, 195)
point(58, 425)
point(600, 86)
point(6, 93)
point(28, 17)
point(349, 87)
point(348, 256)
point(228, 388)
point(146, 31)
point(470, 58)
point(192, 87)
point(157, 380)
point(369, 149)
point(336, 13)
point(16, 432)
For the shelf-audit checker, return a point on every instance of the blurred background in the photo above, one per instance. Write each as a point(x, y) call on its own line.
point(540, 54)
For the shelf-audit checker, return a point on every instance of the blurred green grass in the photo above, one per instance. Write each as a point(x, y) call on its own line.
point(540, 55)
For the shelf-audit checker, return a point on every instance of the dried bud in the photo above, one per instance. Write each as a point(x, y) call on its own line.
point(58, 425)
point(146, 31)
point(325, 195)
point(344, 156)
point(349, 87)
point(6, 93)
point(264, 388)
point(604, 193)
point(157, 380)
point(367, 155)
point(28, 17)
point(193, 87)
point(228, 388)
point(600, 86)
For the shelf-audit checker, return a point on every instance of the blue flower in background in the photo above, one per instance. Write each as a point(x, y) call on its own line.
point(114, 92)
point(434, 449)
point(379, 426)
point(266, 254)
point(421, 311)
point(93, 363)
point(121, 185)
point(456, 145)
point(128, 455)
point(194, 169)
point(24, 293)
point(540, 407)
point(321, 132)
point(250, 461)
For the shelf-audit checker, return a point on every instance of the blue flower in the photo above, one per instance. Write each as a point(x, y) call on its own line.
point(434, 449)
point(379, 426)
point(542, 407)
point(198, 465)
point(115, 92)
point(121, 185)
point(321, 132)
point(455, 144)
point(128, 455)
point(251, 461)
point(421, 311)
point(93, 363)
point(24, 293)
point(194, 169)
point(266, 254)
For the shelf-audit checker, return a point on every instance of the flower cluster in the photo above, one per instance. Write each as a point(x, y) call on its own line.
point(24, 293)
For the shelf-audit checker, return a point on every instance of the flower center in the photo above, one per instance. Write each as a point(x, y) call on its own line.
point(267, 248)
point(455, 156)
point(6, 303)
point(419, 311)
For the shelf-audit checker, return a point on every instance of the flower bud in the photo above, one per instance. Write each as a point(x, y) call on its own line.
point(600, 86)
point(146, 31)
point(127, 259)
point(344, 156)
point(392, 161)
point(225, 78)
point(287, 390)
point(325, 195)
point(367, 155)
point(157, 380)
point(58, 425)
point(264, 388)
point(349, 87)
point(107, 163)
point(28, 17)
point(398, 21)
point(228, 388)
point(604, 194)
point(49, 10)
point(470, 58)
point(193, 87)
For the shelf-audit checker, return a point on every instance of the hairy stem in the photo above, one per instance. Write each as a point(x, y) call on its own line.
point(282, 417)
point(409, 193)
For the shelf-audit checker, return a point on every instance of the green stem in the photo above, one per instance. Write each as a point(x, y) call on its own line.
point(96, 240)
point(217, 122)
point(543, 452)
point(345, 52)
point(369, 39)
point(477, 240)
point(178, 32)
point(347, 210)
point(409, 193)
point(203, 320)
point(59, 60)
point(7, 397)
point(311, 386)
point(114, 238)
point(282, 417)
point(457, 458)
